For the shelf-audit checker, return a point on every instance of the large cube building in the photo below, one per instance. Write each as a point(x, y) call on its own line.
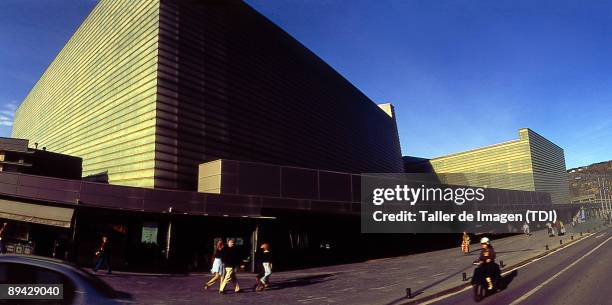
point(529, 163)
point(147, 90)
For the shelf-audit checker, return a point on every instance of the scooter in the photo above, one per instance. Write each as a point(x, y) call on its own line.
point(479, 281)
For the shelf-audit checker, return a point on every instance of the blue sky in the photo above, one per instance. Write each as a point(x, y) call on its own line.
point(462, 74)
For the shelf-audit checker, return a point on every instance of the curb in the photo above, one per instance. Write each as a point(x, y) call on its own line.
point(505, 269)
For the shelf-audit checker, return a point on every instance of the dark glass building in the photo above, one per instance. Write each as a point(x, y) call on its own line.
point(148, 93)
point(158, 87)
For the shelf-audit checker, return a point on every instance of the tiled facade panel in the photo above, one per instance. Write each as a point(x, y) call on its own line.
point(233, 85)
point(508, 166)
point(96, 100)
point(531, 163)
point(549, 172)
point(148, 90)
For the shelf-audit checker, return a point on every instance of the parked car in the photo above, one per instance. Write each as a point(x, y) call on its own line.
point(79, 286)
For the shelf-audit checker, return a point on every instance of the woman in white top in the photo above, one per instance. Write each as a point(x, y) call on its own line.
point(217, 265)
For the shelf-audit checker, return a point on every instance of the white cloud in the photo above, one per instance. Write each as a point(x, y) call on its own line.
point(7, 113)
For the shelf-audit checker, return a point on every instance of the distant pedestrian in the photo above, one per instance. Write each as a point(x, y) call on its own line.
point(59, 249)
point(526, 229)
point(217, 265)
point(561, 228)
point(549, 227)
point(556, 228)
point(3, 236)
point(231, 261)
point(263, 278)
point(103, 255)
point(465, 243)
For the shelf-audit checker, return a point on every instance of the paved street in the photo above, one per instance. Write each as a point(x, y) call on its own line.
point(382, 281)
point(580, 274)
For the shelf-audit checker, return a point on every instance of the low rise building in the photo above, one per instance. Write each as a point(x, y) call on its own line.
point(16, 156)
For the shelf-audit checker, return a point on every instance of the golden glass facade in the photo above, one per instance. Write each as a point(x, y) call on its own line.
point(96, 100)
point(530, 163)
point(148, 90)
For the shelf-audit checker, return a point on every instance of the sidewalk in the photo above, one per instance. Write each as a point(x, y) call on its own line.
point(381, 281)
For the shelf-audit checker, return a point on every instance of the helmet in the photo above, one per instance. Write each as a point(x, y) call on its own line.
point(484, 240)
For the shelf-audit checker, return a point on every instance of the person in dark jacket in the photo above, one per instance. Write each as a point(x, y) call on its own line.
point(103, 255)
point(263, 278)
point(3, 234)
point(487, 260)
point(231, 260)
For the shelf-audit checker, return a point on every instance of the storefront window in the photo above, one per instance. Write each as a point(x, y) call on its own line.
point(149, 233)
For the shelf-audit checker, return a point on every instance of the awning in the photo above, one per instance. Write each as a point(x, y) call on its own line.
point(36, 213)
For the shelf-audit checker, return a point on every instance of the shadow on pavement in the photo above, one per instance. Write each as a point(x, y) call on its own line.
point(422, 290)
point(301, 281)
point(506, 279)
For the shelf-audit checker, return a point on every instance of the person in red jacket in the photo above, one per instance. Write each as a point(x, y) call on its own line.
point(103, 255)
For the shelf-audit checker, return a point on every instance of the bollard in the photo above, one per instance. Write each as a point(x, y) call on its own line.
point(572, 237)
point(409, 293)
point(464, 276)
point(501, 264)
point(560, 241)
point(546, 246)
point(580, 233)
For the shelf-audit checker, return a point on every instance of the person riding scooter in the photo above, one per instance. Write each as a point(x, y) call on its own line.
point(487, 263)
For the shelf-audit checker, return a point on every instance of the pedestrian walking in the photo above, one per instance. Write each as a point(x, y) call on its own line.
point(103, 255)
point(526, 229)
point(465, 243)
point(59, 249)
point(561, 228)
point(217, 265)
point(231, 260)
point(549, 226)
point(3, 236)
point(263, 278)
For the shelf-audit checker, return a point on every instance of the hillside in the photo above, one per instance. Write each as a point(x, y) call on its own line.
point(589, 183)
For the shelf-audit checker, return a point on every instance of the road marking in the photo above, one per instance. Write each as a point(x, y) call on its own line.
point(440, 298)
point(534, 290)
point(311, 299)
point(547, 254)
point(383, 287)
